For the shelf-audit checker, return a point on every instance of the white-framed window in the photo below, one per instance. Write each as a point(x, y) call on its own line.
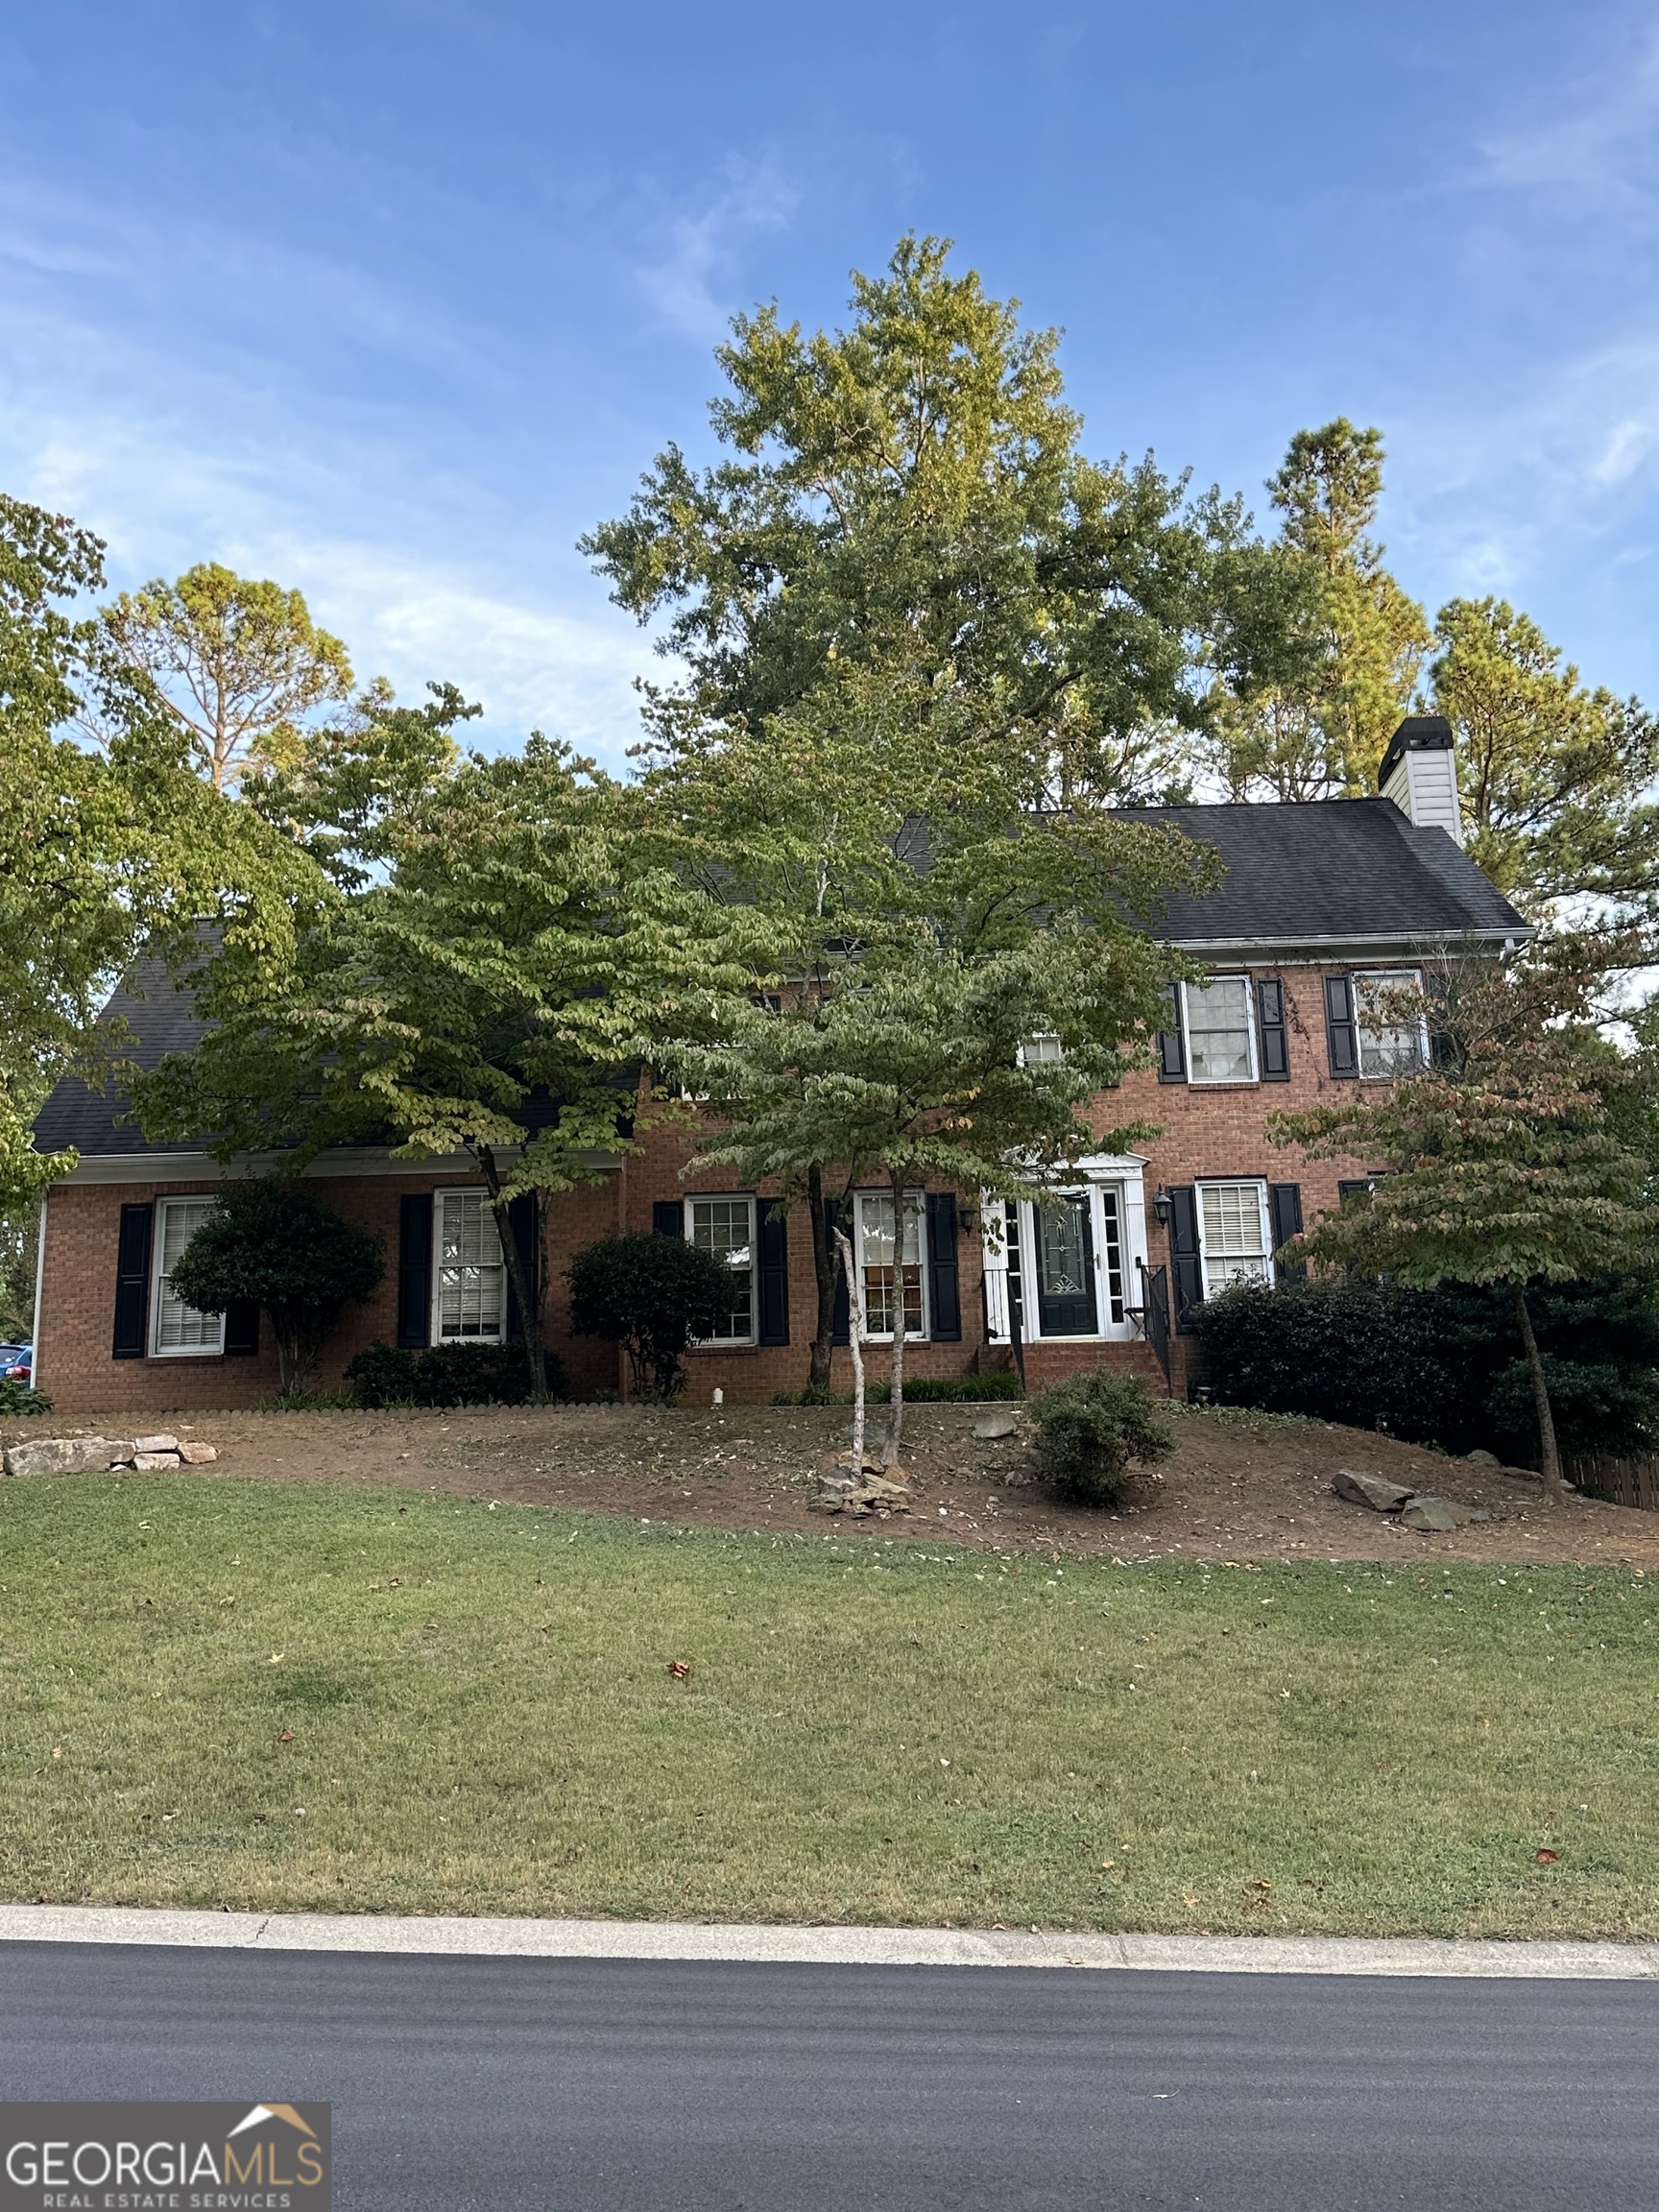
point(1392, 1040)
point(726, 1227)
point(1041, 1051)
point(1234, 1242)
point(177, 1331)
point(1221, 1030)
point(469, 1274)
point(884, 1282)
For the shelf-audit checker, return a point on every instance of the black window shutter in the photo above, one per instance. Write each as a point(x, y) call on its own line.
point(944, 1287)
point(415, 1270)
point(242, 1330)
point(1285, 1215)
point(1340, 1033)
point(838, 1214)
point(132, 1284)
point(772, 1273)
point(1171, 1048)
point(668, 1217)
point(1274, 1031)
point(522, 1223)
point(1184, 1258)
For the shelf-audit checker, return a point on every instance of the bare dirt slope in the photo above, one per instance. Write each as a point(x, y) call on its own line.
point(1240, 1487)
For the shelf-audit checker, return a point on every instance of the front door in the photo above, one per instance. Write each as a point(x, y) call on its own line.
point(1066, 1268)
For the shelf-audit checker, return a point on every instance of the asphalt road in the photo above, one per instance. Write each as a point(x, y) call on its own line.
point(606, 2085)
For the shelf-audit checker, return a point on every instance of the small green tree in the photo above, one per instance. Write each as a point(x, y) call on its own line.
point(1500, 1164)
point(653, 1295)
point(282, 1250)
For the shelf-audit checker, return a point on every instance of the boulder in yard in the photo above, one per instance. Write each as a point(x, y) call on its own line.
point(1373, 1490)
point(1484, 1458)
point(60, 1455)
point(992, 1428)
point(1441, 1515)
point(152, 1462)
point(198, 1454)
point(155, 1444)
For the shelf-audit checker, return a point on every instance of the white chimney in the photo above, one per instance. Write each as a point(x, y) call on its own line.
point(1419, 773)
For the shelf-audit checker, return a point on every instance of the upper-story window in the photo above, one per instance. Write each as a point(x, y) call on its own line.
point(1226, 1030)
point(1220, 1038)
point(1390, 1022)
point(1374, 1023)
point(1043, 1049)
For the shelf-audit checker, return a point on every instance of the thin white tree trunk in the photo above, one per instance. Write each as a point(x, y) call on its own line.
point(856, 1345)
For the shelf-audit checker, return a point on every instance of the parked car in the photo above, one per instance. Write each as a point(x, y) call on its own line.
point(16, 1362)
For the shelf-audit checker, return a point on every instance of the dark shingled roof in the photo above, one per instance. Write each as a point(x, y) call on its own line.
point(1331, 871)
point(159, 1018)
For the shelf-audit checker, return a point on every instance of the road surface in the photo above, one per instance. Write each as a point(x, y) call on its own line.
point(607, 2085)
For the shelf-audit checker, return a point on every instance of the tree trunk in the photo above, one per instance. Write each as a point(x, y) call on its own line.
point(529, 1304)
point(825, 1268)
point(856, 1345)
point(1549, 1455)
point(892, 1448)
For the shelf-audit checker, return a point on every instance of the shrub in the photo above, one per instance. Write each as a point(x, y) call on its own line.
point(449, 1375)
point(1597, 1408)
point(1355, 1352)
point(654, 1295)
point(19, 1398)
point(924, 1391)
point(285, 1252)
point(1090, 1427)
point(1442, 1366)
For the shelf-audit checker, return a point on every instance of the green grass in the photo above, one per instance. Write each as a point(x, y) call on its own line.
point(483, 1719)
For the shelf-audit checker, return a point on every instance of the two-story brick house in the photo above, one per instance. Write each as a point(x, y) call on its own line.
point(1323, 908)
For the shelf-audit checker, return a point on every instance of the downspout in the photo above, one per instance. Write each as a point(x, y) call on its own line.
point(39, 1283)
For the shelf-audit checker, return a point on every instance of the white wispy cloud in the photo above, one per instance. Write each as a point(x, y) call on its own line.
point(689, 286)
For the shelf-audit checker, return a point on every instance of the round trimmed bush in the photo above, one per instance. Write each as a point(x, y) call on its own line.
point(654, 1295)
point(1090, 1427)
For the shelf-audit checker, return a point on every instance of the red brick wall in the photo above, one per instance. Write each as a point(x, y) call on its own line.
point(1206, 1131)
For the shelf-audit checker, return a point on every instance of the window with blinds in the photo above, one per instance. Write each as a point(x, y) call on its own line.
point(178, 1328)
point(469, 1295)
point(1233, 1239)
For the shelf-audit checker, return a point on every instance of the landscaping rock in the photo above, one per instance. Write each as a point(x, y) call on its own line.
point(60, 1455)
point(155, 1444)
point(1484, 1458)
point(152, 1462)
point(1372, 1490)
point(1440, 1514)
point(990, 1428)
point(198, 1454)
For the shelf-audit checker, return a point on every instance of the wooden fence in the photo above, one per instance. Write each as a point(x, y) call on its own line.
point(1621, 1481)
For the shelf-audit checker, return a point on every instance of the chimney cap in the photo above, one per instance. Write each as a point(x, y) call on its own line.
point(1417, 733)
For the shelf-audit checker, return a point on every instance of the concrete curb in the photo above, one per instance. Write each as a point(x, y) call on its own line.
point(667, 1940)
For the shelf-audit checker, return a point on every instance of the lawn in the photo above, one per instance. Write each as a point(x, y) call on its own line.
point(282, 1696)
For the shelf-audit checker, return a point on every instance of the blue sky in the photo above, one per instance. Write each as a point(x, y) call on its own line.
point(391, 302)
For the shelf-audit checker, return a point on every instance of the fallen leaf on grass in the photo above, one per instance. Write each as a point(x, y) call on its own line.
point(286, 1736)
point(276, 1659)
point(1546, 1857)
point(679, 1668)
